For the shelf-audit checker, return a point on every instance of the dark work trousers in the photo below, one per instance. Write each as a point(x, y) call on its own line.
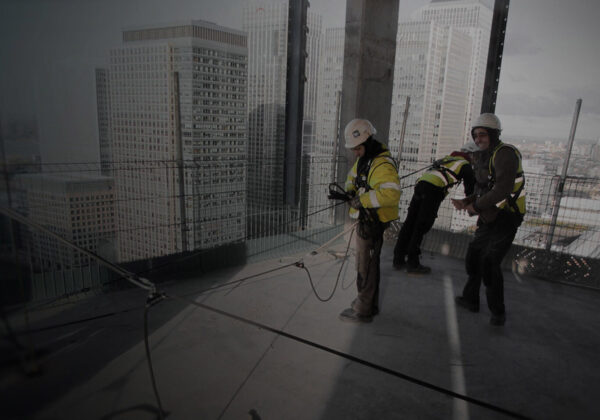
point(421, 215)
point(484, 257)
point(369, 239)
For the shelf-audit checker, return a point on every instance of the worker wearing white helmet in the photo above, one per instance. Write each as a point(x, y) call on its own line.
point(374, 185)
point(499, 201)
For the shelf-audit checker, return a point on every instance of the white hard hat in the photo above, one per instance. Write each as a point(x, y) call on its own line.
point(469, 147)
point(487, 120)
point(357, 132)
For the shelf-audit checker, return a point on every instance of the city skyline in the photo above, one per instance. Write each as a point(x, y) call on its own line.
point(187, 124)
point(51, 71)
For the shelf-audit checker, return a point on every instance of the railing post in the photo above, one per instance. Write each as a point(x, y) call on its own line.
point(561, 182)
point(403, 132)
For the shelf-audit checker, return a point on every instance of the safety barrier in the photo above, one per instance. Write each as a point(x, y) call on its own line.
point(567, 250)
point(138, 217)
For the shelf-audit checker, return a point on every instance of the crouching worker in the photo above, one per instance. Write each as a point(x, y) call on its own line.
point(430, 190)
point(373, 182)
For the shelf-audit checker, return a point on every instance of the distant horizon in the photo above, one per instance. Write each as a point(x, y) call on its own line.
point(551, 139)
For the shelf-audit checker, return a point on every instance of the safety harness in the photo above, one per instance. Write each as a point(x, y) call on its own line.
point(447, 173)
point(444, 173)
point(361, 182)
point(519, 183)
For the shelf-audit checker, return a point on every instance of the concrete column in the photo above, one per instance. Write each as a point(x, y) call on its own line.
point(369, 53)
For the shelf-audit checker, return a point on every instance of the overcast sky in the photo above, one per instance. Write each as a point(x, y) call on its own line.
point(49, 49)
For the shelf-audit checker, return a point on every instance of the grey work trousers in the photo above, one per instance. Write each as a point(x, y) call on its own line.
point(368, 250)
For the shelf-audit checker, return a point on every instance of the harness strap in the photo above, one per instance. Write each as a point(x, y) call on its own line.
point(449, 183)
point(513, 197)
point(370, 215)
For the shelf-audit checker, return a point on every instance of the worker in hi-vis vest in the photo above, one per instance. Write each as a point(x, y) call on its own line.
point(430, 190)
point(499, 201)
point(374, 187)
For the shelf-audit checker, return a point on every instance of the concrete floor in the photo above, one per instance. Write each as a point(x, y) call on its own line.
point(543, 364)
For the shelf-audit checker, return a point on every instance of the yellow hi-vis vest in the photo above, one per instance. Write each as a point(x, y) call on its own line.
point(383, 187)
point(447, 175)
point(515, 202)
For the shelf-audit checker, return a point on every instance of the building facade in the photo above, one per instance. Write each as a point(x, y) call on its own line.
point(324, 155)
point(178, 136)
point(266, 24)
point(473, 18)
point(432, 63)
point(79, 209)
point(103, 120)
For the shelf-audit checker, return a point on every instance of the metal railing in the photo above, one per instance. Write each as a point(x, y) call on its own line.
point(133, 217)
point(566, 251)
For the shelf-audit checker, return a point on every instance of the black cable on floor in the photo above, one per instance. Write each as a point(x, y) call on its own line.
point(109, 314)
point(355, 359)
point(327, 299)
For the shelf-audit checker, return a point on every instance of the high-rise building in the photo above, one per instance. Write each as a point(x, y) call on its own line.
point(324, 151)
point(103, 119)
point(178, 138)
point(432, 63)
point(440, 64)
point(266, 23)
point(79, 209)
point(473, 18)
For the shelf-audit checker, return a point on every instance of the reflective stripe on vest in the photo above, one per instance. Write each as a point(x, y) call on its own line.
point(439, 179)
point(382, 172)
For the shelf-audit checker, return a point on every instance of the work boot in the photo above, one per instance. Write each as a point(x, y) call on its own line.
point(418, 269)
point(374, 311)
point(498, 320)
point(350, 315)
point(465, 303)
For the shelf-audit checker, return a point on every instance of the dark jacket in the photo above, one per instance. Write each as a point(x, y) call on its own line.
point(506, 164)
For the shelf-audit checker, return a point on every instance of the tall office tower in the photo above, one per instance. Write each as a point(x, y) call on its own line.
point(79, 209)
point(324, 154)
point(473, 18)
point(178, 138)
point(103, 116)
point(267, 26)
point(432, 63)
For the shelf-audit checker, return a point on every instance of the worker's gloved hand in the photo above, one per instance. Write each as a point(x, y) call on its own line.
point(355, 203)
point(437, 163)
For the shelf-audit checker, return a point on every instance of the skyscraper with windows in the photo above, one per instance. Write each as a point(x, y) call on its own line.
point(266, 24)
point(178, 138)
point(103, 119)
point(80, 209)
point(324, 151)
point(473, 18)
point(432, 67)
point(432, 63)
